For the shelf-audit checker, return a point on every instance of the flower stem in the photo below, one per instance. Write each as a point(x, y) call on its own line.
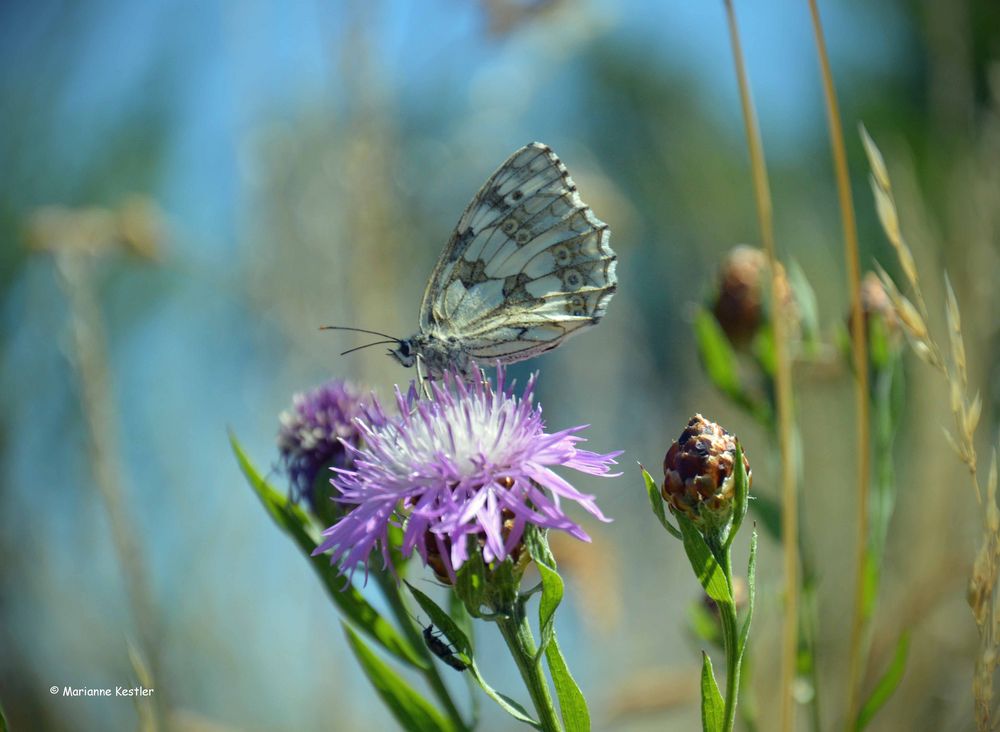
point(730, 637)
point(516, 632)
point(390, 589)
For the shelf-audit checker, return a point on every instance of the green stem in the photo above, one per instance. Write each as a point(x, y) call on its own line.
point(516, 631)
point(390, 589)
point(730, 637)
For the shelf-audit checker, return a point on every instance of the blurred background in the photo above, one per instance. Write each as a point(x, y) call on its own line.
point(189, 189)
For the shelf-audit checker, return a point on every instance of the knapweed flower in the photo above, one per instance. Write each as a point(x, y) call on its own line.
point(698, 478)
point(740, 298)
point(470, 466)
point(313, 432)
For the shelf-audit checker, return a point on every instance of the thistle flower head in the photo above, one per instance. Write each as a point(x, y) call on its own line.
point(313, 432)
point(468, 467)
point(742, 291)
point(698, 478)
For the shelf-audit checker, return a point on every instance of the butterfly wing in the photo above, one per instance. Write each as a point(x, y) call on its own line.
point(528, 265)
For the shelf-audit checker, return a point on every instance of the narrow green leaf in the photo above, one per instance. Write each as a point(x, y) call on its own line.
point(703, 562)
point(3, 721)
point(411, 710)
point(717, 354)
point(443, 622)
point(656, 501)
point(552, 585)
point(742, 493)
point(805, 302)
point(751, 592)
point(572, 703)
point(763, 349)
point(722, 367)
point(503, 701)
point(294, 522)
point(463, 644)
point(887, 684)
point(713, 708)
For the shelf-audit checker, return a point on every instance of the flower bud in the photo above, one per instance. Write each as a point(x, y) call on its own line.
point(698, 475)
point(741, 295)
point(311, 440)
point(875, 303)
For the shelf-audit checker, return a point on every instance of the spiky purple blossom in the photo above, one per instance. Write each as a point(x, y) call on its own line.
point(313, 434)
point(458, 465)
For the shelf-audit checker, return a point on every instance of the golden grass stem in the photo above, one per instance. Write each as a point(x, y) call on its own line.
point(783, 379)
point(859, 348)
point(90, 361)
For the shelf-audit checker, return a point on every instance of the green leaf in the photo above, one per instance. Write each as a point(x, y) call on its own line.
point(879, 348)
point(463, 645)
point(887, 684)
point(572, 703)
point(503, 701)
point(742, 493)
point(703, 562)
point(443, 622)
point(3, 721)
point(470, 583)
point(656, 501)
point(722, 366)
point(703, 623)
point(552, 585)
point(763, 349)
point(411, 710)
point(717, 354)
point(805, 302)
point(713, 709)
point(294, 522)
point(751, 592)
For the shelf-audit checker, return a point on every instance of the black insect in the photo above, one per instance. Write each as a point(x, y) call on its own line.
point(442, 649)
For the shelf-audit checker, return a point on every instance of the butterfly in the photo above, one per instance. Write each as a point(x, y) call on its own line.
point(528, 265)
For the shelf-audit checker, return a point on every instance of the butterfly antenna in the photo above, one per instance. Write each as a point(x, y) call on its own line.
point(367, 345)
point(393, 339)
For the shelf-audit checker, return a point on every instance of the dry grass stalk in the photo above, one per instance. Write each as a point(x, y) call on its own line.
point(861, 615)
point(783, 384)
point(982, 592)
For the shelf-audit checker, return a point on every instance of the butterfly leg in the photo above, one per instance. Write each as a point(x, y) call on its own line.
point(422, 378)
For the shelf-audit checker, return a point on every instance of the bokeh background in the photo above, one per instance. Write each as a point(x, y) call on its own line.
point(244, 172)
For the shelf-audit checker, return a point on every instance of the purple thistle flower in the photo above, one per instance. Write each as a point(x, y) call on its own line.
point(313, 434)
point(470, 461)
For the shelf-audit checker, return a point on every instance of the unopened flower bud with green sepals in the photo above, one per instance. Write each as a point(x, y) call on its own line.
point(741, 303)
point(699, 479)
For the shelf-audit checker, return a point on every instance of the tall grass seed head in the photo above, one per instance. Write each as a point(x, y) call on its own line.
point(698, 477)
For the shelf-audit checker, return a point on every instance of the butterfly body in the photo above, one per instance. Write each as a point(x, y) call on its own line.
point(528, 265)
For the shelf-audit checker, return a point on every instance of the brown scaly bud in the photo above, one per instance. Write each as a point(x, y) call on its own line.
point(875, 303)
point(739, 303)
point(698, 475)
